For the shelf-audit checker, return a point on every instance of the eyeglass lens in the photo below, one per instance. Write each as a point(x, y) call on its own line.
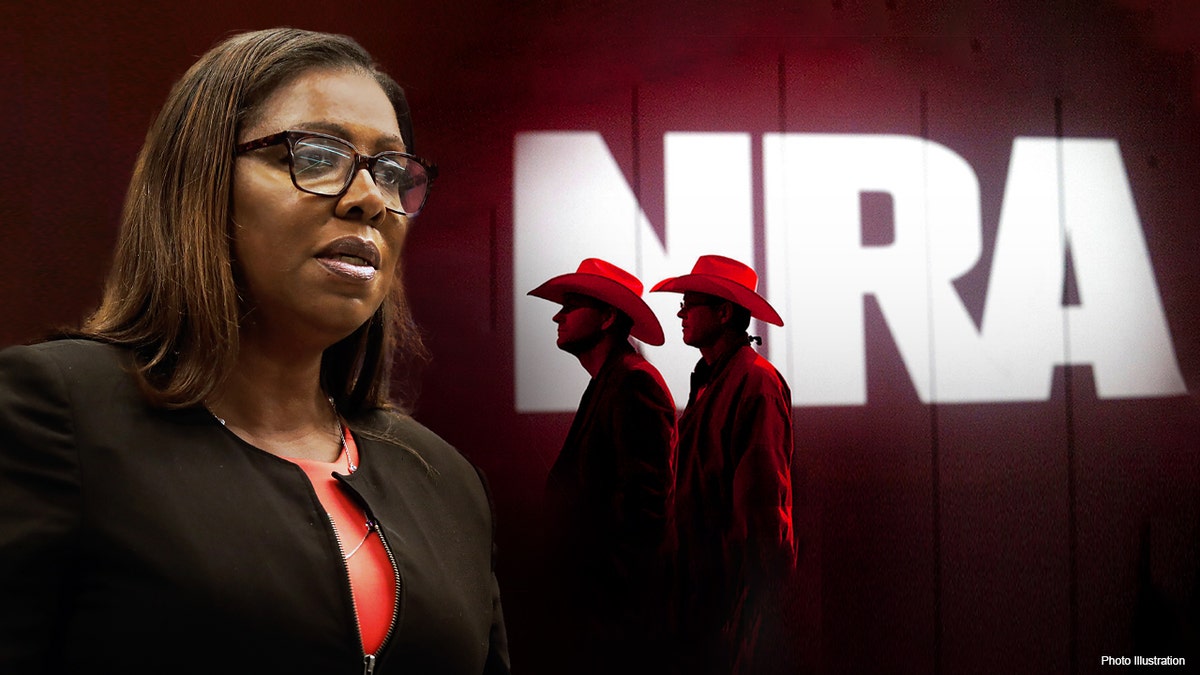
point(326, 166)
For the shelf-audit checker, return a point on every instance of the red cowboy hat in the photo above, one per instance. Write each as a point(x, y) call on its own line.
point(611, 285)
point(727, 279)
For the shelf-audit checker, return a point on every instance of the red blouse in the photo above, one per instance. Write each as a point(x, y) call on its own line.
point(372, 579)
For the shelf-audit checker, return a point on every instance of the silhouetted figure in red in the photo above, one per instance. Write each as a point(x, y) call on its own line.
point(609, 493)
point(736, 549)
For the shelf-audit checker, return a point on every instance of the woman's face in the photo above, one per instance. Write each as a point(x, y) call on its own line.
point(315, 268)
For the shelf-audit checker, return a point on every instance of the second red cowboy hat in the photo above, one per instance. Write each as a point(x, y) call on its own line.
point(611, 285)
point(727, 279)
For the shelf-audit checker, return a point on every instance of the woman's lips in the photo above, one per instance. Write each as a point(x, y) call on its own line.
point(351, 258)
point(349, 267)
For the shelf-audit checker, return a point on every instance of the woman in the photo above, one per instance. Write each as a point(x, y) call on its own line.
point(210, 477)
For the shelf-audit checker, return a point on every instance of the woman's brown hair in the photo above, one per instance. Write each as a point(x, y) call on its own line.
point(171, 295)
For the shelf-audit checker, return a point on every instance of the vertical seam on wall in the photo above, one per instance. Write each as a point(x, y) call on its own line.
point(494, 270)
point(636, 143)
point(1069, 411)
point(781, 113)
point(934, 432)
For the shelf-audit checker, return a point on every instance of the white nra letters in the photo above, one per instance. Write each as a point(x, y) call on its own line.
point(571, 202)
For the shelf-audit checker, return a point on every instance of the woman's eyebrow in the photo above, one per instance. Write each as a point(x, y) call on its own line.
point(325, 127)
point(386, 140)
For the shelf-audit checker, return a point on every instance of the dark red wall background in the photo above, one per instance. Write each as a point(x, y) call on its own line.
point(1031, 537)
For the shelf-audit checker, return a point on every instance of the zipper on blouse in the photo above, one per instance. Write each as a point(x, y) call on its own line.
point(349, 587)
point(396, 600)
point(369, 659)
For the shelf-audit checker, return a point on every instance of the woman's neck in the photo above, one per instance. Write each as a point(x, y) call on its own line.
point(277, 405)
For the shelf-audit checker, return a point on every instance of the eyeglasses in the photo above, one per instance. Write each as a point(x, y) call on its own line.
point(325, 165)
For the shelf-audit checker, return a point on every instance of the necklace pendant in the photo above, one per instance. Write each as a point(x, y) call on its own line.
point(370, 524)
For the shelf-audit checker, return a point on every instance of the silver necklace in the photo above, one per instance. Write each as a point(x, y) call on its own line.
point(341, 431)
point(337, 419)
point(370, 528)
point(350, 465)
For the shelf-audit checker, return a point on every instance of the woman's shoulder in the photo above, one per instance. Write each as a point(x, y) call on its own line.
point(395, 428)
point(76, 387)
point(70, 360)
point(68, 350)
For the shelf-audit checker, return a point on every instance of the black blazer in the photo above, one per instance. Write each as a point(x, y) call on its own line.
point(140, 540)
point(611, 487)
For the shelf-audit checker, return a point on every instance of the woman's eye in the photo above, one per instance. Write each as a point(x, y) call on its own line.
point(390, 174)
point(310, 159)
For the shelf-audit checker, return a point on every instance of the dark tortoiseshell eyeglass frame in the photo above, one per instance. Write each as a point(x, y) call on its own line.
point(422, 179)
